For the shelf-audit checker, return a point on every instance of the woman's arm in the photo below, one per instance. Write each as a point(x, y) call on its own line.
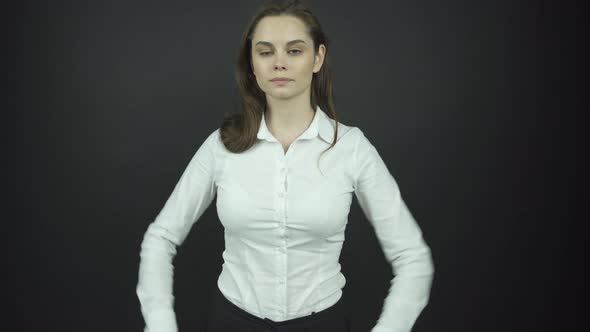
point(191, 196)
point(400, 238)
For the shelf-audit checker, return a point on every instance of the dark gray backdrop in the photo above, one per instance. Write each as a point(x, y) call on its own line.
point(473, 105)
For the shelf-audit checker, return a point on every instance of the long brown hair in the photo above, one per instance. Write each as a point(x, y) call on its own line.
point(238, 130)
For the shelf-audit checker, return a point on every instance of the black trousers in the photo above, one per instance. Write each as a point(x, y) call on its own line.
point(227, 317)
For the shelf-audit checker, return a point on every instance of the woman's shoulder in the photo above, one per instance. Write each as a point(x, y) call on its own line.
point(213, 138)
point(355, 136)
point(346, 131)
point(351, 133)
point(211, 143)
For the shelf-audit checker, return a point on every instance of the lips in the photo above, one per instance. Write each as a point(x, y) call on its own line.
point(281, 79)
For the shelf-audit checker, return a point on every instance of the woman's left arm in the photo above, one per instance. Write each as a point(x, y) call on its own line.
point(400, 238)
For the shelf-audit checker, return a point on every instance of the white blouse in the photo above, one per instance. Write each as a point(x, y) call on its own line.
point(284, 226)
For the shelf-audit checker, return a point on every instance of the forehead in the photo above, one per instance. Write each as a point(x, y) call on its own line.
point(278, 30)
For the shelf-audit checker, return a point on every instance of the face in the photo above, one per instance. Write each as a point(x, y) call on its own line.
point(282, 48)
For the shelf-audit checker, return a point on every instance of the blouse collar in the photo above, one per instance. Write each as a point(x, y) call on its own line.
point(320, 125)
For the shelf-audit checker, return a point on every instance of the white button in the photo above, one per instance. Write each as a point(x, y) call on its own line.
point(282, 281)
point(280, 194)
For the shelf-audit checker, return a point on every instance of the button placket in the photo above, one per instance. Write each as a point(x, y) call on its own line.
point(281, 249)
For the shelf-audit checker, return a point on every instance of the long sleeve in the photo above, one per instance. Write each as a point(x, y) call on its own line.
point(400, 238)
point(191, 196)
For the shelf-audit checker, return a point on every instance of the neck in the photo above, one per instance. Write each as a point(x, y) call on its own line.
point(288, 118)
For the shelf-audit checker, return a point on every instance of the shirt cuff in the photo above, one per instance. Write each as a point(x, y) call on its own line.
point(161, 320)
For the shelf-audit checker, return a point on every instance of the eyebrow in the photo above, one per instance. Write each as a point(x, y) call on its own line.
point(288, 43)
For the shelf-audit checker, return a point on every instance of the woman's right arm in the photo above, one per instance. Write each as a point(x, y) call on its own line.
point(191, 196)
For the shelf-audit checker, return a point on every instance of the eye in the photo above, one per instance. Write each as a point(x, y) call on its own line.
point(295, 52)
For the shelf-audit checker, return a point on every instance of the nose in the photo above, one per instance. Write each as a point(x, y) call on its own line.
point(279, 62)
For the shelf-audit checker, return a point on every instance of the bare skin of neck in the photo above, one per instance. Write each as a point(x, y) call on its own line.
point(291, 126)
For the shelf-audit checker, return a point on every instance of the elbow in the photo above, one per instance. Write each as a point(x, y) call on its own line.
point(416, 262)
point(428, 260)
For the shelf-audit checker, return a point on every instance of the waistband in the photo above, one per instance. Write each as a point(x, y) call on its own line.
point(335, 310)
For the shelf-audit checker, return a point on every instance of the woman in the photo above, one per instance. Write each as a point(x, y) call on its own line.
point(283, 171)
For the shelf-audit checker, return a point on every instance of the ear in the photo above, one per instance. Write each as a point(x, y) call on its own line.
point(319, 58)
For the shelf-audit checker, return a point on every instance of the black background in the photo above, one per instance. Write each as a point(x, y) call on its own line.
point(475, 106)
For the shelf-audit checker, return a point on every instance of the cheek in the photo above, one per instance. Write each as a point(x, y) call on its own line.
point(309, 65)
point(254, 67)
point(256, 64)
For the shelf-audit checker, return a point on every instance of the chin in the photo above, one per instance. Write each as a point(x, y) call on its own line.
point(282, 95)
